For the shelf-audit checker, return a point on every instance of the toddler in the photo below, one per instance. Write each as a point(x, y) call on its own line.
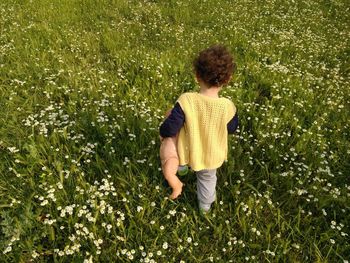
point(196, 130)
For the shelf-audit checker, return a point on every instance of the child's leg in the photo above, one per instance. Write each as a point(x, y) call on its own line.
point(170, 164)
point(206, 183)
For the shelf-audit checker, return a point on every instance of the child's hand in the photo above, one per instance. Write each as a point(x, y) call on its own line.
point(167, 113)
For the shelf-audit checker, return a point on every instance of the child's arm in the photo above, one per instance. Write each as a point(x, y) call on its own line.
point(168, 113)
point(173, 123)
point(233, 124)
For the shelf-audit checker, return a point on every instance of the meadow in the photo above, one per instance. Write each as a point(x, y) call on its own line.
point(84, 86)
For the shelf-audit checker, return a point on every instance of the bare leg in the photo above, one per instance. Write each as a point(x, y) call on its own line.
point(170, 164)
point(169, 170)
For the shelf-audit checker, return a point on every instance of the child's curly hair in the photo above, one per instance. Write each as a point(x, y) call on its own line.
point(214, 65)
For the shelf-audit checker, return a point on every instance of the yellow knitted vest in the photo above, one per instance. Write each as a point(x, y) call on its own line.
point(202, 141)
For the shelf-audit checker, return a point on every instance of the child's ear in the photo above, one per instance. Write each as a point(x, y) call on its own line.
point(228, 80)
point(197, 78)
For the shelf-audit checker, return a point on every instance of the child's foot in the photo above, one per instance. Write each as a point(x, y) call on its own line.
point(204, 208)
point(203, 212)
point(177, 190)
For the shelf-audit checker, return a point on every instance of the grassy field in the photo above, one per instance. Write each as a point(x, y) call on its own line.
point(84, 86)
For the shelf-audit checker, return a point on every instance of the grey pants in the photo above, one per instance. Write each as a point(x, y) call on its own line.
point(206, 184)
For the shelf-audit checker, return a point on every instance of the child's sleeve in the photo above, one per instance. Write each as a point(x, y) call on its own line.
point(233, 124)
point(232, 117)
point(173, 123)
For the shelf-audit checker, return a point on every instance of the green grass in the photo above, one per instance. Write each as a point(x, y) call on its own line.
point(84, 86)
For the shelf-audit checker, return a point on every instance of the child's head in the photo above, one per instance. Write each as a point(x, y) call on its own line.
point(214, 66)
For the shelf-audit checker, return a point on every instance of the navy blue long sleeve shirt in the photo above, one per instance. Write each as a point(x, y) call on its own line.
point(172, 125)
